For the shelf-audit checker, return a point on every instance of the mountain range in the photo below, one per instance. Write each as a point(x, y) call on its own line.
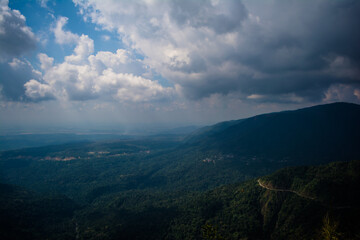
point(219, 182)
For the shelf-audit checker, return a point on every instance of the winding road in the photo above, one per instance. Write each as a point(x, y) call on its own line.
point(284, 190)
point(302, 195)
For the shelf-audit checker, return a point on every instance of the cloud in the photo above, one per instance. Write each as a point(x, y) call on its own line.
point(131, 88)
point(14, 75)
point(279, 50)
point(343, 93)
point(84, 47)
point(43, 3)
point(16, 37)
point(105, 37)
point(38, 91)
point(45, 61)
point(105, 76)
point(62, 36)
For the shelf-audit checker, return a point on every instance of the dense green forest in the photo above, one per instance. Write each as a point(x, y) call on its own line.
point(237, 211)
point(219, 182)
point(28, 215)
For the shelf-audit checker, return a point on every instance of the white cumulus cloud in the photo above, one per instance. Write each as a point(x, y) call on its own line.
point(84, 47)
point(105, 75)
point(38, 91)
point(62, 36)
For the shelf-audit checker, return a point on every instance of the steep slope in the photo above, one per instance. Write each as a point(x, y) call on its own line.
point(325, 199)
point(315, 135)
point(250, 211)
point(239, 150)
point(296, 200)
point(208, 131)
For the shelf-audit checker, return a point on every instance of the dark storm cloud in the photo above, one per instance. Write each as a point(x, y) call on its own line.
point(293, 47)
point(225, 17)
point(299, 35)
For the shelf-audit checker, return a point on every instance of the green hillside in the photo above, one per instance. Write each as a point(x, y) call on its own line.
point(239, 211)
point(311, 135)
point(301, 203)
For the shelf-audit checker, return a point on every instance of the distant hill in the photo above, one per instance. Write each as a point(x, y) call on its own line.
point(225, 153)
point(18, 141)
point(239, 150)
point(180, 130)
point(316, 134)
point(204, 132)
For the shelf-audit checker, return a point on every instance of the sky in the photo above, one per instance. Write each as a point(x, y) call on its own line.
point(108, 63)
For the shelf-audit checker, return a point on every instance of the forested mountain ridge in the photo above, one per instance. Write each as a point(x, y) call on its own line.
point(160, 187)
point(317, 134)
point(225, 153)
point(243, 149)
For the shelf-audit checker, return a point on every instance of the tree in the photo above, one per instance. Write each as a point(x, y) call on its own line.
point(329, 229)
point(210, 232)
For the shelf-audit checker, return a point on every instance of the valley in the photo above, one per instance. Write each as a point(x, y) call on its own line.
point(246, 179)
point(179, 120)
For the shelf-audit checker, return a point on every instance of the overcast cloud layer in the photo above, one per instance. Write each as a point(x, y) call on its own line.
point(184, 54)
point(270, 50)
